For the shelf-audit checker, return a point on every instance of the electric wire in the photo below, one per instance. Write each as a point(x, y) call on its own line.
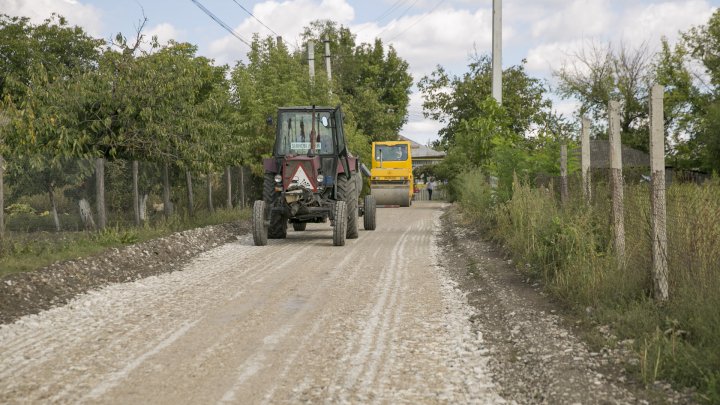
point(257, 19)
point(417, 21)
point(222, 24)
point(401, 16)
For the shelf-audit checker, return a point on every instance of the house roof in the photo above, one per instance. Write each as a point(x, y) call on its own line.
point(421, 151)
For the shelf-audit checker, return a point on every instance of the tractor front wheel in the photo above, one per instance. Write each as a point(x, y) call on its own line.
point(299, 226)
point(339, 223)
point(260, 231)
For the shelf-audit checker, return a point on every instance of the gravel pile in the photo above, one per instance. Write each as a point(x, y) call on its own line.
point(31, 292)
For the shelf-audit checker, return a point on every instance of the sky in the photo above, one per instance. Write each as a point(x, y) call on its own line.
point(426, 33)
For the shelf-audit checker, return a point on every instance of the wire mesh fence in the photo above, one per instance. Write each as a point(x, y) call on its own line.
point(64, 197)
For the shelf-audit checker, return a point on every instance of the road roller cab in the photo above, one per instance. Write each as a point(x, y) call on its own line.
point(391, 178)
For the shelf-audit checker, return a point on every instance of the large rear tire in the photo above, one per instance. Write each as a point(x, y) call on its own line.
point(278, 226)
point(339, 223)
point(260, 231)
point(348, 192)
point(278, 223)
point(299, 226)
point(369, 217)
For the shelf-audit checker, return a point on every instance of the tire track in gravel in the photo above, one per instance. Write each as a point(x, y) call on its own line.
point(67, 341)
point(295, 321)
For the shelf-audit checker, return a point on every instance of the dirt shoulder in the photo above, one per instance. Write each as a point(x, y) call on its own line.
point(537, 353)
point(31, 292)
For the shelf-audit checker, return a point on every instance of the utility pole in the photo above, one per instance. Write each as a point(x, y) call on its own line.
point(497, 51)
point(328, 64)
point(311, 59)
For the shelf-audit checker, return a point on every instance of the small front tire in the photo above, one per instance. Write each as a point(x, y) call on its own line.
point(339, 223)
point(260, 235)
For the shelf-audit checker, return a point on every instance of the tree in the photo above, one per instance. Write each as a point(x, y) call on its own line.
point(457, 101)
point(371, 80)
point(703, 42)
point(601, 72)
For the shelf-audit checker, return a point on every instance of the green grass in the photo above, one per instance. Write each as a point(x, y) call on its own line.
point(569, 248)
point(21, 252)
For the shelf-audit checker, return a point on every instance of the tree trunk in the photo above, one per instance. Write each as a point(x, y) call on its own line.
point(56, 219)
point(191, 201)
point(211, 208)
point(167, 205)
point(136, 192)
point(100, 191)
point(2, 197)
point(86, 215)
point(228, 183)
point(242, 186)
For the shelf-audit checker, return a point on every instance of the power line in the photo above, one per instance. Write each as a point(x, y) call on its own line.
point(258, 20)
point(401, 16)
point(417, 21)
point(219, 21)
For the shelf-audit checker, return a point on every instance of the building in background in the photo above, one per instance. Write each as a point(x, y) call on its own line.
point(423, 155)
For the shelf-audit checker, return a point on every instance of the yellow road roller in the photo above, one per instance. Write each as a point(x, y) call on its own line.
point(391, 178)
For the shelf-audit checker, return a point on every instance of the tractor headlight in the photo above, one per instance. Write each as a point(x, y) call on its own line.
point(320, 178)
point(278, 178)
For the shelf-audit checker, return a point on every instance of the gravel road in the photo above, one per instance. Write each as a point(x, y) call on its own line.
point(376, 321)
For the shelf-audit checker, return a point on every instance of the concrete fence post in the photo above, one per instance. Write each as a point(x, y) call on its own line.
point(657, 172)
point(585, 159)
point(616, 181)
point(563, 174)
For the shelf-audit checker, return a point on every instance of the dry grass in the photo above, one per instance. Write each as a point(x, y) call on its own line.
point(570, 249)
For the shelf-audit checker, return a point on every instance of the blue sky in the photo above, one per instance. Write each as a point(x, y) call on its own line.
point(425, 32)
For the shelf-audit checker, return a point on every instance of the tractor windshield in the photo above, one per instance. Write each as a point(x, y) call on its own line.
point(391, 153)
point(296, 134)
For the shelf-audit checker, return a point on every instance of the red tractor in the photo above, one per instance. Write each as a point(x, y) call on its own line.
point(311, 177)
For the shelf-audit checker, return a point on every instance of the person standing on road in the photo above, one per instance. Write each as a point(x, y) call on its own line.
point(430, 188)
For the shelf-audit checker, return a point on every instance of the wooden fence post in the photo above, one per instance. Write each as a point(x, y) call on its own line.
point(657, 172)
point(616, 180)
point(563, 174)
point(585, 158)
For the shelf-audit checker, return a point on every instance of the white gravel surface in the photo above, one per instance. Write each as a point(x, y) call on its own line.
point(299, 320)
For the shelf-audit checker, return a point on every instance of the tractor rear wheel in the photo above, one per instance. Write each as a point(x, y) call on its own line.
point(278, 223)
point(369, 217)
point(339, 223)
point(299, 226)
point(348, 192)
point(278, 226)
point(260, 231)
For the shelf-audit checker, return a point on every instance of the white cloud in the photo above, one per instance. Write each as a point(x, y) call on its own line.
point(651, 21)
point(164, 33)
point(543, 59)
point(446, 37)
point(579, 18)
point(286, 18)
point(86, 16)
point(421, 131)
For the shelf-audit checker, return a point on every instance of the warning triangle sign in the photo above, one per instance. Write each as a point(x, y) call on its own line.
point(301, 178)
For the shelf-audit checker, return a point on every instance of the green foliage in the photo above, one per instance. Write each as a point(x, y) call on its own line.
point(371, 80)
point(523, 99)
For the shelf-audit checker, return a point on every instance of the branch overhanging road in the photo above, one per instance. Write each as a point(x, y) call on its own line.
point(299, 320)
